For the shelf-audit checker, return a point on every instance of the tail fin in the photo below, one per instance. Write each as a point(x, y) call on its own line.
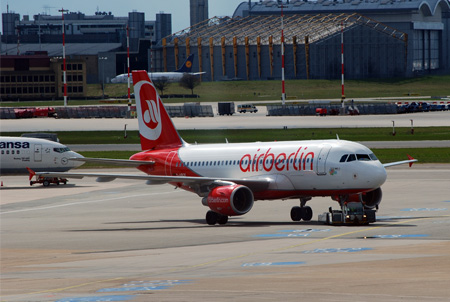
point(187, 65)
point(155, 126)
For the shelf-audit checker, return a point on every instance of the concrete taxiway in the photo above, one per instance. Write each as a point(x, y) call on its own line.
point(126, 241)
point(237, 121)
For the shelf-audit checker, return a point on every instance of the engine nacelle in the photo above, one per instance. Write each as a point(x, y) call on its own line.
point(372, 199)
point(369, 199)
point(232, 200)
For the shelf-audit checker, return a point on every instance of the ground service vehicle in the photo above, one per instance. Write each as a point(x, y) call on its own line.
point(350, 213)
point(243, 108)
point(226, 108)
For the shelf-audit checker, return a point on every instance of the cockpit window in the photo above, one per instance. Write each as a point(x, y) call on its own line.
point(343, 158)
point(61, 150)
point(372, 156)
point(360, 157)
point(351, 157)
point(363, 157)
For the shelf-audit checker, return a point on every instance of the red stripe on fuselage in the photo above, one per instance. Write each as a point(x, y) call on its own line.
point(281, 194)
point(167, 162)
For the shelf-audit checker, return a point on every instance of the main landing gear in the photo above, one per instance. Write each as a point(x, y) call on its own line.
point(302, 212)
point(212, 218)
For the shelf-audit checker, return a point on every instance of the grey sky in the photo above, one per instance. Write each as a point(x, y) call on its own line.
point(178, 8)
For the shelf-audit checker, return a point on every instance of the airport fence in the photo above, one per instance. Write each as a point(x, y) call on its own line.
point(187, 110)
point(314, 109)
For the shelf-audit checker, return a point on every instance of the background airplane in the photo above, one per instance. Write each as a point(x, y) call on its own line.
point(230, 177)
point(174, 76)
point(18, 153)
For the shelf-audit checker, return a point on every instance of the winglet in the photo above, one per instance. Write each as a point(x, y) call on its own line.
point(411, 158)
point(32, 173)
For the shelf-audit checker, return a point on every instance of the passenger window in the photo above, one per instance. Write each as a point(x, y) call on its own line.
point(351, 157)
point(343, 158)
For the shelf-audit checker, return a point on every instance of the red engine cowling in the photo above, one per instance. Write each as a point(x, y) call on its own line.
point(369, 199)
point(232, 200)
point(372, 199)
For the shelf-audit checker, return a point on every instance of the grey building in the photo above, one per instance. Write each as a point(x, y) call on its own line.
point(382, 39)
point(198, 11)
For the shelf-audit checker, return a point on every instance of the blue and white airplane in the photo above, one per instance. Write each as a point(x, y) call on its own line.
point(173, 76)
point(19, 153)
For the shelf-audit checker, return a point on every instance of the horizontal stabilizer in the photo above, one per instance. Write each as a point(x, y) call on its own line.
point(410, 161)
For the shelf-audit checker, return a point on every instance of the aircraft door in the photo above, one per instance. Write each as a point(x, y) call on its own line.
point(322, 159)
point(168, 163)
point(38, 152)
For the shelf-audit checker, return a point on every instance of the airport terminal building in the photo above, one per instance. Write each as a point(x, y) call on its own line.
point(382, 39)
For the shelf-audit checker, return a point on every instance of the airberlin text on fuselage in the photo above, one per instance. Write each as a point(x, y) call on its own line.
point(268, 161)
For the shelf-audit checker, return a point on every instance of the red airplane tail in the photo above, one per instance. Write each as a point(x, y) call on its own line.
point(155, 126)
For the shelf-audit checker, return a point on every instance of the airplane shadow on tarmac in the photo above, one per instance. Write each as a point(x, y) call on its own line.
point(200, 223)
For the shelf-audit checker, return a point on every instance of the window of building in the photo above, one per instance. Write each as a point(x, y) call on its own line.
point(80, 66)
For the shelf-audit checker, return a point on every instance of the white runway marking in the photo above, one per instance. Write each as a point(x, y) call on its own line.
point(84, 202)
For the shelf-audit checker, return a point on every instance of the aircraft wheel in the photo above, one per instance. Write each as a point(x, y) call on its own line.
point(307, 213)
point(212, 217)
point(46, 183)
point(223, 219)
point(296, 213)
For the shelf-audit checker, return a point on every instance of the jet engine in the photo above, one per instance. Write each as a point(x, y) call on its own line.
point(231, 200)
point(372, 199)
point(369, 199)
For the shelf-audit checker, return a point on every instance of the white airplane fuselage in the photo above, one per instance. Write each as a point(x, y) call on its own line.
point(18, 153)
point(171, 77)
point(297, 168)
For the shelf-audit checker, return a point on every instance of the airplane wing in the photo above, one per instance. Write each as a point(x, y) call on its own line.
point(255, 184)
point(410, 161)
point(111, 161)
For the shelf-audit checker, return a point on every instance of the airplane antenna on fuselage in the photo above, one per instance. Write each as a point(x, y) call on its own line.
point(337, 136)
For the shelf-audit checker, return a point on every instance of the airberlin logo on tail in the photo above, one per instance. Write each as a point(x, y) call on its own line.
point(149, 113)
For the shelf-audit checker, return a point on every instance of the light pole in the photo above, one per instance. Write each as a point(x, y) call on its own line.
point(103, 59)
point(64, 55)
